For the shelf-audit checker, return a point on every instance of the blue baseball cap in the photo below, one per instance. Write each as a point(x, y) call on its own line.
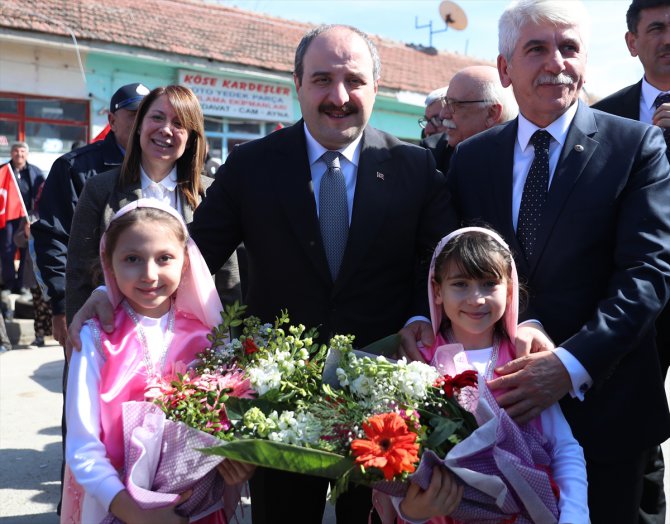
point(128, 97)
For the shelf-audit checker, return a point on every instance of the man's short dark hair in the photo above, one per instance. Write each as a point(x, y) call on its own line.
point(636, 7)
point(301, 50)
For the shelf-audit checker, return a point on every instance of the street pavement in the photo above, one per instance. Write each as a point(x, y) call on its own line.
point(30, 441)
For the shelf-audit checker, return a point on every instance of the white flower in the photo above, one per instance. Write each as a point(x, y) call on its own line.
point(414, 379)
point(342, 377)
point(295, 428)
point(265, 376)
point(362, 386)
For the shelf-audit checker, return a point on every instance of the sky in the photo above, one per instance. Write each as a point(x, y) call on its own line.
point(610, 66)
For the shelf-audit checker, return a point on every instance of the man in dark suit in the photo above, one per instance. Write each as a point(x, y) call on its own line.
point(593, 245)
point(648, 38)
point(285, 194)
point(269, 195)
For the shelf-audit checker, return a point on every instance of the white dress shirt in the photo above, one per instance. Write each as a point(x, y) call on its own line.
point(523, 158)
point(164, 191)
point(647, 99)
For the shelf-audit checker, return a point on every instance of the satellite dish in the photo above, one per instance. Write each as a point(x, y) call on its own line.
point(453, 15)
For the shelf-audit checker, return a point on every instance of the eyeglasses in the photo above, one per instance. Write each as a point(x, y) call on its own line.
point(452, 104)
point(435, 120)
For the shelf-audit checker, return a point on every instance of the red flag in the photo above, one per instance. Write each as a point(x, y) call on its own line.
point(102, 134)
point(11, 203)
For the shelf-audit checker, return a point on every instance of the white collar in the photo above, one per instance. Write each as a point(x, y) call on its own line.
point(558, 129)
point(649, 94)
point(352, 152)
point(169, 182)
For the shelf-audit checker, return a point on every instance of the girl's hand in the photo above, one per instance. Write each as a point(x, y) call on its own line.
point(413, 334)
point(234, 472)
point(531, 338)
point(441, 498)
point(125, 508)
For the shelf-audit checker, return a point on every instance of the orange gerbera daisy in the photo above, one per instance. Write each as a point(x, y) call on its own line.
point(390, 446)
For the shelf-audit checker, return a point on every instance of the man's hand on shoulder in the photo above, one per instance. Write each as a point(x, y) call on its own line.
point(531, 384)
point(97, 305)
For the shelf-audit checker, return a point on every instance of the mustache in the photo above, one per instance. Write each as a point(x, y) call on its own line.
point(348, 108)
point(449, 124)
point(559, 79)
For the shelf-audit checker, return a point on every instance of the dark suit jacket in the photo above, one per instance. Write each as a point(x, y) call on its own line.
point(601, 270)
point(263, 196)
point(626, 103)
point(62, 188)
point(439, 146)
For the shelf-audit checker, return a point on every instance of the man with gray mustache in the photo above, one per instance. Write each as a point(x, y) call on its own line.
point(581, 198)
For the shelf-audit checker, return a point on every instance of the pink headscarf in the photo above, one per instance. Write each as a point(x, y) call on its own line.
point(510, 318)
point(197, 296)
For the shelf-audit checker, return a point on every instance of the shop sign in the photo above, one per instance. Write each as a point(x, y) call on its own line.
point(240, 99)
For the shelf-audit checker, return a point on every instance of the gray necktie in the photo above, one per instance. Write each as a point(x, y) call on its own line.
point(333, 212)
point(534, 194)
point(663, 98)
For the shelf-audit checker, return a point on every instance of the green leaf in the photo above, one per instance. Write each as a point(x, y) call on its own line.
point(284, 457)
point(340, 486)
point(444, 428)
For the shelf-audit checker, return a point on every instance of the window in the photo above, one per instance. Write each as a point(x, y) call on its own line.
point(48, 125)
point(223, 134)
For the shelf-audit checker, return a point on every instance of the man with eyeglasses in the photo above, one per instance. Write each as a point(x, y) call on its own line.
point(431, 123)
point(475, 100)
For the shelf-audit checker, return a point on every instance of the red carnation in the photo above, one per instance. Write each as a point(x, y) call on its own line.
point(452, 385)
point(249, 346)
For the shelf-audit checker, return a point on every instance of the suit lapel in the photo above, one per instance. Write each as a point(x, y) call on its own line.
point(574, 157)
point(501, 163)
point(128, 194)
point(373, 181)
point(186, 210)
point(293, 187)
point(631, 105)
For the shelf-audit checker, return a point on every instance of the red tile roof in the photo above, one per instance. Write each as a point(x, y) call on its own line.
point(193, 28)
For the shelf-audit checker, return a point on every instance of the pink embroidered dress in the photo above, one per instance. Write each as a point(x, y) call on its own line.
point(510, 473)
point(111, 372)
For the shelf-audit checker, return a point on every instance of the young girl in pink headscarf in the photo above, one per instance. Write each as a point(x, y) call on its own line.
point(474, 297)
point(167, 304)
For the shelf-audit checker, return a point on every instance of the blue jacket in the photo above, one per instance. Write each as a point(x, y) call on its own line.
point(51, 233)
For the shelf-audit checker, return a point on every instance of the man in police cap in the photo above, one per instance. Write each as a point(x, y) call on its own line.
point(61, 192)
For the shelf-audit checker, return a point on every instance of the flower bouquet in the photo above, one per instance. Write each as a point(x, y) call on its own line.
point(503, 467)
point(338, 413)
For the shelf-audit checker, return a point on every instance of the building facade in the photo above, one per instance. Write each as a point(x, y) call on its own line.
point(61, 60)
